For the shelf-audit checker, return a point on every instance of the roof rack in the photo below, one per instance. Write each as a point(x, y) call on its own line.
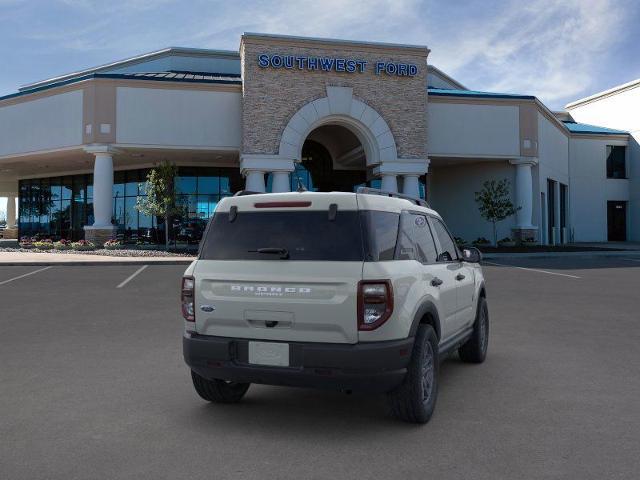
point(242, 193)
point(376, 191)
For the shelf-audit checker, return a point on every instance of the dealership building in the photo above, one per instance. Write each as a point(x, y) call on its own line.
point(325, 114)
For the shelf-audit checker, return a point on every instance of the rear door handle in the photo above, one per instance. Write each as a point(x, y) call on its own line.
point(460, 277)
point(436, 282)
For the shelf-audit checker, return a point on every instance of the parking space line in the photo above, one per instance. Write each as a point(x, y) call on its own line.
point(632, 259)
point(532, 269)
point(25, 275)
point(132, 276)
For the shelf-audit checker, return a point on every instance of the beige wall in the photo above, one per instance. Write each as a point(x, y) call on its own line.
point(473, 129)
point(272, 96)
point(44, 123)
point(172, 117)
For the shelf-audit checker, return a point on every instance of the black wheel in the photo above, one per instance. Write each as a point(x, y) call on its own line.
point(474, 350)
point(219, 391)
point(415, 400)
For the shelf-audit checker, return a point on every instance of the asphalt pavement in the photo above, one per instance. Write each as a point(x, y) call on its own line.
point(93, 386)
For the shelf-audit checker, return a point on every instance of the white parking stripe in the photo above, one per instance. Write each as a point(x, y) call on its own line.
point(132, 276)
point(632, 259)
point(532, 269)
point(25, 275)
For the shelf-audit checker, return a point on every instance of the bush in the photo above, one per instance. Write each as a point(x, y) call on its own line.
point(481, 241)
point(43, 244)
point(460, 242)
point(26, 242)
point(62, 245)
point(113, 244)
point(83, 245)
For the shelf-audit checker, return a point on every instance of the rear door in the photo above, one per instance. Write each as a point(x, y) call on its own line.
point(281, 273)
point(416, 243)
point(462, 274)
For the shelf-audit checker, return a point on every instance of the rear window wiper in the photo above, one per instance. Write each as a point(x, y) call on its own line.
point(283, 252)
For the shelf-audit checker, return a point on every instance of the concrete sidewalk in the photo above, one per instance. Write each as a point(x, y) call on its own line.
point(635, 254)
point(37, 259)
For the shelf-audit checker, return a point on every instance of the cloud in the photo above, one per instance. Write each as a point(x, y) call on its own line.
point(547, 48)
point(557, 50)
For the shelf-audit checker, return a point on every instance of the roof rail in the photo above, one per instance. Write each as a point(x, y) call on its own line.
point(242, 193)
point(376, 191)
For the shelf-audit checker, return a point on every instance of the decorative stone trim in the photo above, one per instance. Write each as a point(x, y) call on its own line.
point(340, 107)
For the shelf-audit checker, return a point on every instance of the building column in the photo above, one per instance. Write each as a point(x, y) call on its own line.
point(102, 228)
point(389, 183)
point(411, 185)
point(254, 181)
point(524, 198)
point(280, 182)
point(11, 212)
point(254, 165)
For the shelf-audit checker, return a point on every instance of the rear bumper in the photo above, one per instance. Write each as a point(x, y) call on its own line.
point(363, 367)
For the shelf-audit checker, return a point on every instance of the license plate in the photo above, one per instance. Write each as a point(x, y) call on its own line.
point(269, 353)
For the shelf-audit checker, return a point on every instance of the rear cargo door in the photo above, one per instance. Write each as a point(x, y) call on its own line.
point(271, 300)
point(281, 270)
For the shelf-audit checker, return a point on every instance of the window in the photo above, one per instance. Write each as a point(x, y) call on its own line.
point(616, 165)
point(308, 235)
point(415, 241)
point(448, 250)
point(380, 230)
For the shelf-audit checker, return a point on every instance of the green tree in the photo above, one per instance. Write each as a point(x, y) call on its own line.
point(161, 199)
point(494, 203)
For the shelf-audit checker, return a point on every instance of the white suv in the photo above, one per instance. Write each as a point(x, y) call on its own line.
point(358, 291)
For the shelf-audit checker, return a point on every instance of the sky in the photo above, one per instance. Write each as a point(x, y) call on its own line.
point(557, 50)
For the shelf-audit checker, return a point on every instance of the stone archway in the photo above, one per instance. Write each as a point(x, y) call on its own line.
point(339, 107)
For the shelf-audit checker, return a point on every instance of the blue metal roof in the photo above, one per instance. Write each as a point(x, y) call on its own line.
point(444, 92)
point(188, 77)
point(575, 127)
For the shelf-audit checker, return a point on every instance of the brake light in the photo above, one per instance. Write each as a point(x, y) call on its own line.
point(187, 299)
point(375, 303)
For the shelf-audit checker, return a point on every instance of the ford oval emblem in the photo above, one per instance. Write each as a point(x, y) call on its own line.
point(207, 308)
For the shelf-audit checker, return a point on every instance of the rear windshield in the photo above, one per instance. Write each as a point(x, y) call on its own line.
point(307, 235)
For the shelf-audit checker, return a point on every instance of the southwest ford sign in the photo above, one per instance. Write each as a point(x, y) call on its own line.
point(333, 64)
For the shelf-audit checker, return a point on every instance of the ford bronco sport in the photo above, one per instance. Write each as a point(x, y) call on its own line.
point(358, 291)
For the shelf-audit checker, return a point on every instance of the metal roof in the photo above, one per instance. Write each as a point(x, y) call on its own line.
point(585, 128)
point(444, 92)
point(187, 77)
point(135, 60)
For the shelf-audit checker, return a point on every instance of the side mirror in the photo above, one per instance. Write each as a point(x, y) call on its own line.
point(471, 255)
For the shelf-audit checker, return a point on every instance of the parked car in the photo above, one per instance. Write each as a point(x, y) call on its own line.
point(349, 291)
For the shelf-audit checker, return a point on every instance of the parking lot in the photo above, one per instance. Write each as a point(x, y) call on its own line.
point(93, 385)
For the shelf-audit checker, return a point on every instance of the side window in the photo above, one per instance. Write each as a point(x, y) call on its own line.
point(448, 251)
point(405, 248)
point(425, 246)
point(415, 241)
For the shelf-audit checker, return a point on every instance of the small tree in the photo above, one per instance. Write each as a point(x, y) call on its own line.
point(160, 199)
point(494, 203)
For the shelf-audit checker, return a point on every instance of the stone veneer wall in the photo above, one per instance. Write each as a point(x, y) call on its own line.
point(272, 96)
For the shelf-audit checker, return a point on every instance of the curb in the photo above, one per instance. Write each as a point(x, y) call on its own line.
point(95, 264)
point(617, 253)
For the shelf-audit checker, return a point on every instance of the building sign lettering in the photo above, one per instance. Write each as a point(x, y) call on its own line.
point(332, 64)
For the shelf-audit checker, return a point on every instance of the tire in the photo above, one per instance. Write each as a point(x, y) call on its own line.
point(219, 391)
point(474, 350)
point(415, 399)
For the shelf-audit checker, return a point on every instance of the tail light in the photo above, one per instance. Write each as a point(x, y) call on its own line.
point(375, 303)
point(187, 299)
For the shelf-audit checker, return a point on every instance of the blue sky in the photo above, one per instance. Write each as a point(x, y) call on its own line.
point(557, 50)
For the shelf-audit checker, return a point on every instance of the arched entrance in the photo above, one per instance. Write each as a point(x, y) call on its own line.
point(334, 158)
point(345, 141)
